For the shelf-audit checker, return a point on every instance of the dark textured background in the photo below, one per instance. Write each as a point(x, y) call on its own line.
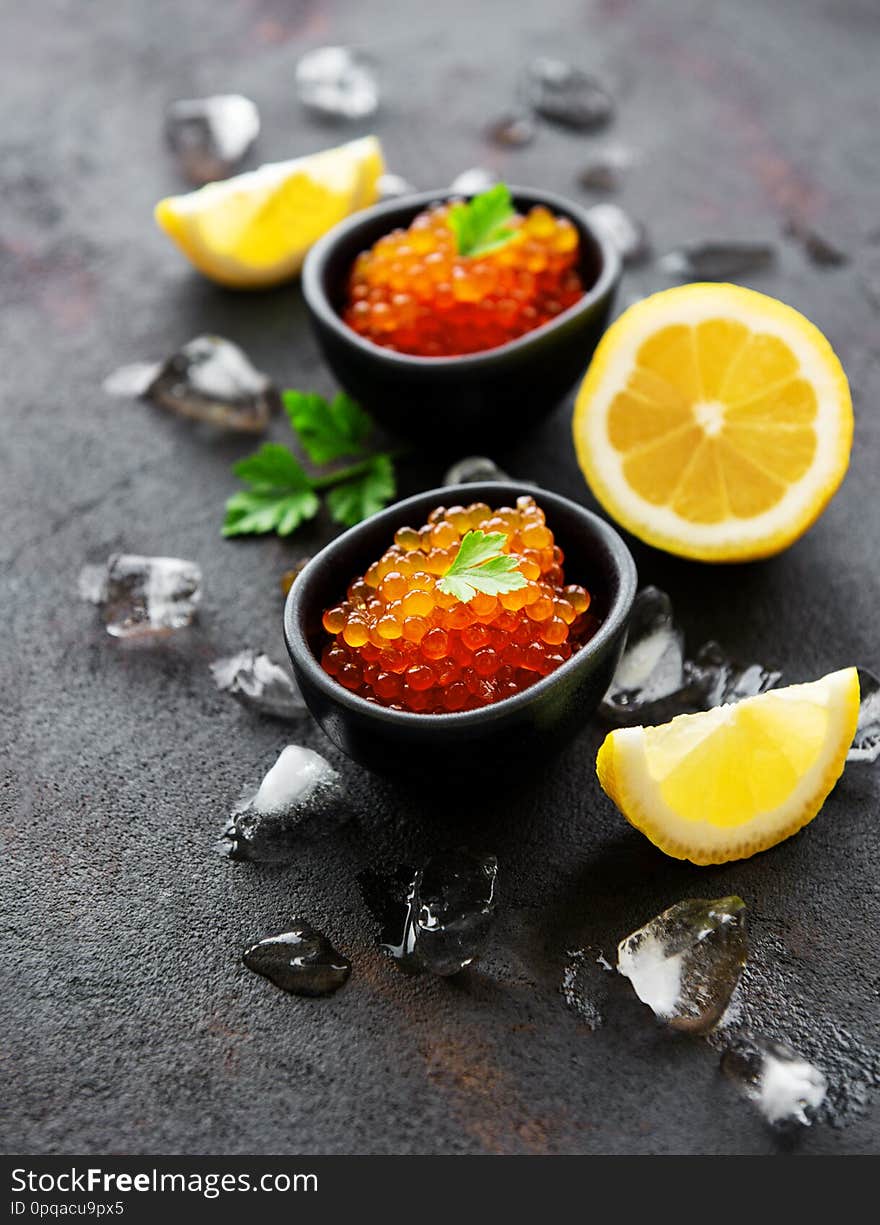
point(127, 1023)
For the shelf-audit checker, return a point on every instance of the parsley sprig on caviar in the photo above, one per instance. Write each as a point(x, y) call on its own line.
point(282, 495)
point(481, 565)
point(483, 223)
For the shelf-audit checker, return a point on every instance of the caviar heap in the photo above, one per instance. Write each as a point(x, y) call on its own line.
point(415, 292)
point(401, 641)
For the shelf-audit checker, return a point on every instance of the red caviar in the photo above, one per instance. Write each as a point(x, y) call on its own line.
point(400, 641)
point(413, 292)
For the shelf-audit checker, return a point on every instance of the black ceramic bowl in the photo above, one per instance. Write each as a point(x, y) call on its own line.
point(456, 402)
point(527, 727)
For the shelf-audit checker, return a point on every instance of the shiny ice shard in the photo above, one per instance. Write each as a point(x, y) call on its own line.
point(627, 235)
point(140, 596)
point(566, 95)
point(337, 83)
point(256, 681)
point(301, 798)
point(211, 136)
point(685, 964)
point(450, 909)
point(866, 744)
point(301, 961)
point(654, 680)
point(717, 260)
point(209, 379)
point(473, 469)
point(784, 1086)
point(472, 181)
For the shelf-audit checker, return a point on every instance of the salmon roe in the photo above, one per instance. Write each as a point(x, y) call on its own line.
point(401, 642)
point(413, 292)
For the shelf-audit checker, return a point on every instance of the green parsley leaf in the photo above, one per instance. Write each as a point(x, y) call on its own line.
point(481, 565)
point(364, 493)
point(279, 500)
point(481, 225)
point(327, 430)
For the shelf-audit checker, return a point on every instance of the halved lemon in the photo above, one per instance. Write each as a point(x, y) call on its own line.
point(254, 230)
point(729, 782)
point(714, 422)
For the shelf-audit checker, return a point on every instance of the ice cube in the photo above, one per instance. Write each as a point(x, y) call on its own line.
point(143, 596)
point(259, 683)
point(474, 469)
point(686, 963)
point(512, 131)
point(132, 381)
point(651, 669)
point(301, 798)
point(210, 379)
point(566, 95)
point(605, 171)
point(720, 680)
point(654, 681)
point(628, 236)
point(301, 961)
point(473, 181)
point(818, 248)
point(391, 186)
point(450, 907)
point(714, 261)
point(783, 1085)
point(338, 83)
point(211, 136)
point(866, 743)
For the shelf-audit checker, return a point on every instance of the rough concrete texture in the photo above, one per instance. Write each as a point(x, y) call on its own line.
point(128, 1022)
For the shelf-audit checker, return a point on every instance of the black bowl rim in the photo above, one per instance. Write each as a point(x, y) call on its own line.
point(318, 302)
point(301, 652)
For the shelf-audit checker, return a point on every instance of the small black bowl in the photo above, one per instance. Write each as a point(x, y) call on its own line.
point(457, 402)
point(528, 727)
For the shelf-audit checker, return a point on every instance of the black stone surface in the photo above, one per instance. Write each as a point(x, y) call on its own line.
point(127, 1023)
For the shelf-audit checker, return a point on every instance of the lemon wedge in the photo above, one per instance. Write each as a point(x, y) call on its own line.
point(714, 422)
point(253, 231)
point(731, 781)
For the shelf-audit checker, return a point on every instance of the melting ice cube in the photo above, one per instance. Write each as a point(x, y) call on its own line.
point(392, 185)
point(819, 249)
point(628, 236)
point(655, 682)
point(566, 95)
point(211, 136)
point(512, 131)
point(142, 596)
point(687, 961)
point(576, 987)
point(606, 170)
point(301, 961)
point(210, 379)
point(338, 83)
point(783, 1085)
point(866, 744)
point(300, 798)
point(714, 261)
point(450, 907)
point(472, 181)
point(473, 469)
point(651, 669)
point(720, 680)
point(258, 682)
